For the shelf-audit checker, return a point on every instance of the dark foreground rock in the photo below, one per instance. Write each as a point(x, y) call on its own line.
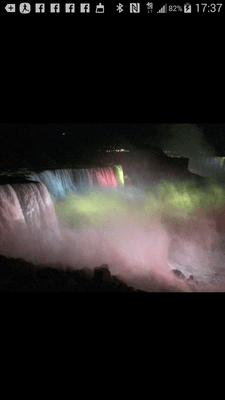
point(17, 275)
point(191, 281)
point(178, 273)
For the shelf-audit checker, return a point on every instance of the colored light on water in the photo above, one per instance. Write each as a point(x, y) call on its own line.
point(119, 174)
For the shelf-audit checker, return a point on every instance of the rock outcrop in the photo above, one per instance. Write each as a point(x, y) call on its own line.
point(191, 281)
point(17, 275)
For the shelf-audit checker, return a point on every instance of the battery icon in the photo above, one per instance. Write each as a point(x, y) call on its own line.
point(187, 8)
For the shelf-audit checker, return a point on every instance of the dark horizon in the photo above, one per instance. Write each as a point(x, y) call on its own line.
point(151, 133)
point(61, 143)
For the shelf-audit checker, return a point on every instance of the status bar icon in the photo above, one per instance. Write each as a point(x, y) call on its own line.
point(100, 8)
point(25, 8)
point(149, 7)
point(10, 7)
point(70, 8)
point(163, 9)
point(54, 7)
point(134, 7)
point(39, 7)
point(85, 7)
point(187, 8)
point(119, 7)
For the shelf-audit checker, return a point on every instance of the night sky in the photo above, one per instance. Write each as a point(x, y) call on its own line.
point(20, 142)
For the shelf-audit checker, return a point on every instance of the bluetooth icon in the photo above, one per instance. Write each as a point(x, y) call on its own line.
point(119, 7)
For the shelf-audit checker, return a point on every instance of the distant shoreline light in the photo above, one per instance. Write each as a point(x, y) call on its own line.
point(110, 151)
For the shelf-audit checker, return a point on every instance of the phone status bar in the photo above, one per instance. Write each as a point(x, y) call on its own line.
point(118, 8)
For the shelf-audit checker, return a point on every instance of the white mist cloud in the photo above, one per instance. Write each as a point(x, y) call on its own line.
point(140, 235)
point(187, 139)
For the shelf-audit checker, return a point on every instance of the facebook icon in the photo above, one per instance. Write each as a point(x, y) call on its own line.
point(85, 8)
point(39, 7)
point(70, 7)
point(55, 8)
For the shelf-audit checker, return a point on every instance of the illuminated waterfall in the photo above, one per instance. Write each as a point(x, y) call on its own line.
point(137, 233)
point(26, 211)
point(60, 182)
point(212, 167)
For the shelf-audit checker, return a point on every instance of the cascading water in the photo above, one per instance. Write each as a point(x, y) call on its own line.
point(60, 182)
point(211, 167)
point(91, 218)
point(26, 211)
point(29, 227)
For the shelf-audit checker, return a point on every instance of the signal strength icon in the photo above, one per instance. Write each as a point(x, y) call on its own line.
point(163, 9)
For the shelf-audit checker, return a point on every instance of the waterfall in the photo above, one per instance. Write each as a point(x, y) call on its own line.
point(212, 167)
point(26, 211)
point(105, 177)
point(136, 232)
point(59, 182)
point(29, 227)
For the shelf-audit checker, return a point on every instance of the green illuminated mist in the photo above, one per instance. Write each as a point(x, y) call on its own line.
point(172, 224)
point(181, 201)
